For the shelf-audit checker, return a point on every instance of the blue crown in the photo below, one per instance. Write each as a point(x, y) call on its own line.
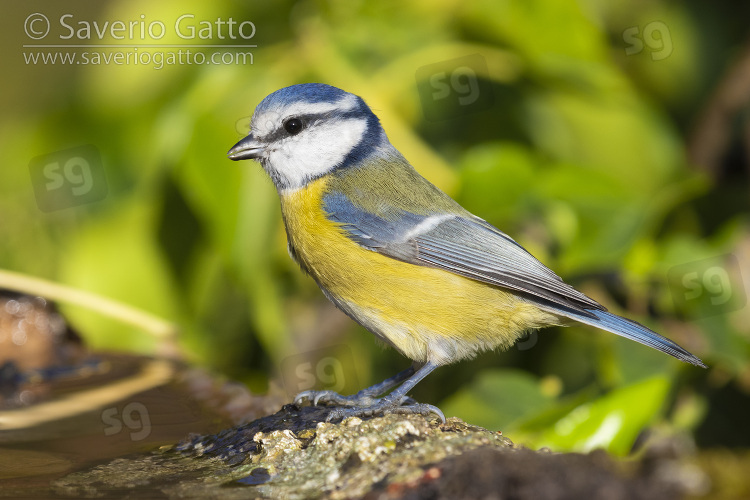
point(304, 92)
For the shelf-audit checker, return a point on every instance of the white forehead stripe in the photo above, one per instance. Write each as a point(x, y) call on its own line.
point(346, 103)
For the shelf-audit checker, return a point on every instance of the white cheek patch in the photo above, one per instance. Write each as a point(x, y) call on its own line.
point(315, 151)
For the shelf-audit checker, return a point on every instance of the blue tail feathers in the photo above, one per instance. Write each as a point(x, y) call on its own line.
point(635, 331)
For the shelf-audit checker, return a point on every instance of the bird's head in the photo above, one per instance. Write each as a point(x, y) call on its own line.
point(305, 131)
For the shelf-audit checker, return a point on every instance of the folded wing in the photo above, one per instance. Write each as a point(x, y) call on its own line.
point(461, 244)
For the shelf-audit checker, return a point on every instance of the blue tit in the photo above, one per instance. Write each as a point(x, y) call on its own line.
point(399, 256)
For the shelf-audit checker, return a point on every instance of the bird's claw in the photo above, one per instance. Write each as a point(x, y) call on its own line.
point(384, 407)
point(330, 397)
point(363, 404)
point(362, 398)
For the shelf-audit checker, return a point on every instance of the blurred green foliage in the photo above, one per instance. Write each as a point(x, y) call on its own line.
point(580, 154)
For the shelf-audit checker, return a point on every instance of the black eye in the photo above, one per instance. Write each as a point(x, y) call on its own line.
point(293, 126)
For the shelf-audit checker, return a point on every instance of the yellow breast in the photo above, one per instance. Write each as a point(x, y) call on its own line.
point(426, 313)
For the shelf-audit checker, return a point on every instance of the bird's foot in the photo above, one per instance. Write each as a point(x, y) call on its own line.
point(384, 406)
point(361, 399)
point(366, 397)
point(365, 404)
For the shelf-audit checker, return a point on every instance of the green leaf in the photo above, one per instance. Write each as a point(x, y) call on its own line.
point(612, 422)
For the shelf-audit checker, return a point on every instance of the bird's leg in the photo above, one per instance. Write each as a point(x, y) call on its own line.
point(364, 397)
point(393, 402)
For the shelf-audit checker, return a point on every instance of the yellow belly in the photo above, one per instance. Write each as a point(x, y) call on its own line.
point(425, 313)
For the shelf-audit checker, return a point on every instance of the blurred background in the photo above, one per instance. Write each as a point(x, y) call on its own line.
point(611, 139)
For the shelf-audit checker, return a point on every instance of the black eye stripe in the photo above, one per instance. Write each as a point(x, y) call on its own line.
point(309, 120)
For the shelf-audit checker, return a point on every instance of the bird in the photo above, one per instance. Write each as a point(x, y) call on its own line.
point(398, 255)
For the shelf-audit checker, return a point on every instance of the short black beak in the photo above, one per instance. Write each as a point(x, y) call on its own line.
point(247, 149)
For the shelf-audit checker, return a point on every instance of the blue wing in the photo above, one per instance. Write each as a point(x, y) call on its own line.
point(470, 247)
